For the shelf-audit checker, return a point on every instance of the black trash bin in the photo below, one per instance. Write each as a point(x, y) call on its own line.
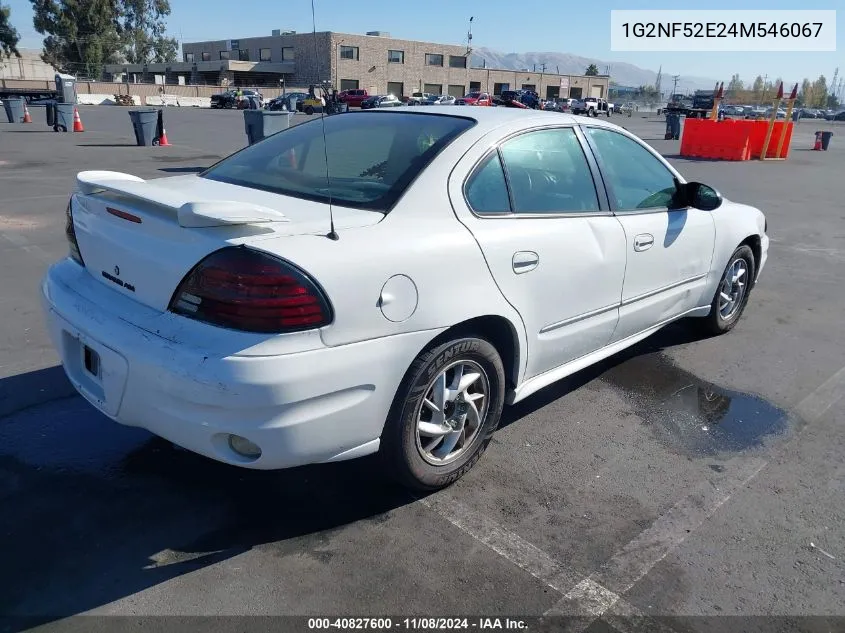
point(825, 139)
point(144, 123)
point(14, 109)
point(673, 126)
point(64, 117)
point(259, 124)
point(50, 111)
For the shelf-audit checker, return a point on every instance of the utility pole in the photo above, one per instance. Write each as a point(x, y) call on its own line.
point(675, 83)
point(469, 40)
point(543, 68)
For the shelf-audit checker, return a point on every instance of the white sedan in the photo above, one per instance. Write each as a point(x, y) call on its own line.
point(272, 312)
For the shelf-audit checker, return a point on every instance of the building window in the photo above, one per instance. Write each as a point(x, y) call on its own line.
point(189, 58)
point(287, 53)
point(457, 61)
point(349, 52)
point(456, 90)
point(433, 89)
point(206, 57)
point(475, 86)
point(396, 88)
point(395, 57)
point(531, 87)
point(264, 54)
point(500, 88)
point(349, 84)
point(243, 55)
point(432, 59)
point(224, 54)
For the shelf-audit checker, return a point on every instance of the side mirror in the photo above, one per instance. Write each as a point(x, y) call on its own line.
point(701, 196)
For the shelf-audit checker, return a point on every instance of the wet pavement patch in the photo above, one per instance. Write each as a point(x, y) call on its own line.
point(692, 416)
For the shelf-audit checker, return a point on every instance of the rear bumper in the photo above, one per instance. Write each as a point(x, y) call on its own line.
point(321, 405)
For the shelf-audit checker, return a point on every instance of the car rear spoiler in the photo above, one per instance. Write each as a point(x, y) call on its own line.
point(190, 213)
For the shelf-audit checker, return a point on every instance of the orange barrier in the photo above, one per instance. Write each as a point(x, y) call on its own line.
point(733, 139)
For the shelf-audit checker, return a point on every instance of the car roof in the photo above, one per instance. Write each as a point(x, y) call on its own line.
point(488, 119)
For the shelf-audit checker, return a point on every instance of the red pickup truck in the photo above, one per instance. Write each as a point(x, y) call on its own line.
point(353, 98)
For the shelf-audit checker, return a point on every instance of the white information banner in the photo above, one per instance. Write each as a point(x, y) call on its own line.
point(723, 30)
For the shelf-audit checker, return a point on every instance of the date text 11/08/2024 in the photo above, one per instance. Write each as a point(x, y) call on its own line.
point(416, 624)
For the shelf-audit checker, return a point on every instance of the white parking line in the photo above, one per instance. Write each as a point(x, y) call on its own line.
point(505, 543)
point(21, 242)
point(599, 595)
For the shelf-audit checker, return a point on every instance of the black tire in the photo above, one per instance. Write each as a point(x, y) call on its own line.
point(309, 110)
point(399, 449)
point(714, 323)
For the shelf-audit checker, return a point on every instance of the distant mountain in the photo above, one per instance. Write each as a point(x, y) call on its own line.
point(566, 63)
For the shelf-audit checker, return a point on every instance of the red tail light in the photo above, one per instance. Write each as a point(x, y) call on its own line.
point(247, 290)
point(70, 232)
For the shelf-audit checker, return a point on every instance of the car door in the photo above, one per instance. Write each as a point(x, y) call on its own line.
point(669, 250)
point(551, 243)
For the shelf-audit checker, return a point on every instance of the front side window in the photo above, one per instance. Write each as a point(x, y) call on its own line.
point(548, 172)
point(372, 158)
point(638, 180)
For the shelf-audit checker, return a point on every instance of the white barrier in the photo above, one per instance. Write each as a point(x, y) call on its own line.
point(85, 99)
point(177, 101)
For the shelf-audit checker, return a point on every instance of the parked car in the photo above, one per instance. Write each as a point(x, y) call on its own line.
point(437, 100)
point(592, 106)
point(380, 101)
point(353, 98)
point(520, 99)
point(475, 99)
point(207, 308)
point(286, 100)
point(229, 99)
point(417, 98)
point(839, 116)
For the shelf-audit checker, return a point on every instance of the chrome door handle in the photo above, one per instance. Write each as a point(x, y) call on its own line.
point(643, 242)
point(525, 261)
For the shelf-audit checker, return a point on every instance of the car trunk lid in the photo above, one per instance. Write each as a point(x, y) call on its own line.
point(141, 237)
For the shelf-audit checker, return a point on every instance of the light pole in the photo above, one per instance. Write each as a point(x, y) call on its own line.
point(337, 65)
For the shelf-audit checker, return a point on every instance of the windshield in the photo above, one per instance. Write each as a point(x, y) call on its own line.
point(473, 95)
point(372, 157)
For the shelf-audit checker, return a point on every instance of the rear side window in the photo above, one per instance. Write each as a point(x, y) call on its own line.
point(486, 190)
point(372, 157)
point(548, 173)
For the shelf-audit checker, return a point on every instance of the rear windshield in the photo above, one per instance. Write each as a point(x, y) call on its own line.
point(372, 157)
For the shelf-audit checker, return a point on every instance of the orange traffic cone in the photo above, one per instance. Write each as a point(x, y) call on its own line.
point(26, 117)
point(163, 138)
point(77, 122)
point(818, 146)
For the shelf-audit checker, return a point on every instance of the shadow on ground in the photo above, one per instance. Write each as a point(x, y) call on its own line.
point(97, 512)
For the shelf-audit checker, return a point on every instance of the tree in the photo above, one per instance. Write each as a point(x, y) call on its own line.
point(592, 70)
point(757, 88)
point(820, 92)
point(807, 93)
point(82, 35)
point(735, 85)
point(9, 36)
point(144, 32)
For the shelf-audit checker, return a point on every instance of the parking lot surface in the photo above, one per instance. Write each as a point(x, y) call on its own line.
point(687, 476)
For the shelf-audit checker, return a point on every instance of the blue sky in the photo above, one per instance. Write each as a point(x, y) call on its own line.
point(569, 27)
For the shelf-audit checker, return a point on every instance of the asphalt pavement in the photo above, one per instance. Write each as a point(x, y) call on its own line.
point(688, 476)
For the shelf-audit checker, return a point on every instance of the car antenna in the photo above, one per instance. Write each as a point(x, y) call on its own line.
point(332, 234)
